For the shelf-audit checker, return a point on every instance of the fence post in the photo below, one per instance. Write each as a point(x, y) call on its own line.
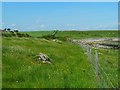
point(96, 62)
point(87, 50)
point(90, 55)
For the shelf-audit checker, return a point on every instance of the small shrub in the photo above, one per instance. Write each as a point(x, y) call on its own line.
point(8, 33)
point(48, 37)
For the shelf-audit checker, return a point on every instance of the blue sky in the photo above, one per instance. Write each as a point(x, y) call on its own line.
point(60, 0)
point(0, 9)
point(35, 16)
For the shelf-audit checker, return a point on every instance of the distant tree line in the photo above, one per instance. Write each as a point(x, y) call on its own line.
point(7, 32)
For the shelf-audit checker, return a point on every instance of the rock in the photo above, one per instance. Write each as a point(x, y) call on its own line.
point(44, 58)
point(48, 62)
point(58, 41)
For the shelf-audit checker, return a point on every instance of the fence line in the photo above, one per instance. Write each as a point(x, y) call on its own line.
point(106, 76)
point(90, 55)
point(96, 66)
point(96, 62)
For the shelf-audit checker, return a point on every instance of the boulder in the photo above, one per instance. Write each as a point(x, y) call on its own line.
point(44, 58)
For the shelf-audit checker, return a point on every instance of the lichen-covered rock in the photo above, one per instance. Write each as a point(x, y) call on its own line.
point(44, 58)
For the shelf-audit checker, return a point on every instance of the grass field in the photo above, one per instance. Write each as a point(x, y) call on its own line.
point(70, 68)
point(108, 60)
point(108, 67)
point(77, 34)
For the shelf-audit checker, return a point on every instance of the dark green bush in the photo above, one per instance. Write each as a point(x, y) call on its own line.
point(49, 37)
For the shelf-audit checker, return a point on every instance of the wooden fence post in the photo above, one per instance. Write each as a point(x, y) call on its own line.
point(90, 55)
point(96, 62)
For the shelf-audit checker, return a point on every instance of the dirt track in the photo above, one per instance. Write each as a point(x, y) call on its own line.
point(113, 43)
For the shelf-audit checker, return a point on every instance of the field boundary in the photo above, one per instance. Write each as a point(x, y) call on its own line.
point(101, 76)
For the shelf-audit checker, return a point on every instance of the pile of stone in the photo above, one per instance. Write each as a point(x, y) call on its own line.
point(44, 58)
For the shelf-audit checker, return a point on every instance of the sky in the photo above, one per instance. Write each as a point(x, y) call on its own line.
point(60, 0)
point(36, 16)
point(0, 15)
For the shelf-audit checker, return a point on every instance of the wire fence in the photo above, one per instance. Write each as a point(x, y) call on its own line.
point(102, 77)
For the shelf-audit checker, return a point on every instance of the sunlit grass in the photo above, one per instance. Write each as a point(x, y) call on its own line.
point(21, 70)
point(70, 68)
point(77, 34)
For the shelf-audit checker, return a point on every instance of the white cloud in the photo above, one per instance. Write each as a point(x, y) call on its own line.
point(73, 29)
point(42, 26)
point(71, 25)
point(101, 27)
point(13, 24)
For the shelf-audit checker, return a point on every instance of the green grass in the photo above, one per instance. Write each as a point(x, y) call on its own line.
point(77, 34)
point(108, 61)
point(70, 68)
point(20, 70)
point(0, 62)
